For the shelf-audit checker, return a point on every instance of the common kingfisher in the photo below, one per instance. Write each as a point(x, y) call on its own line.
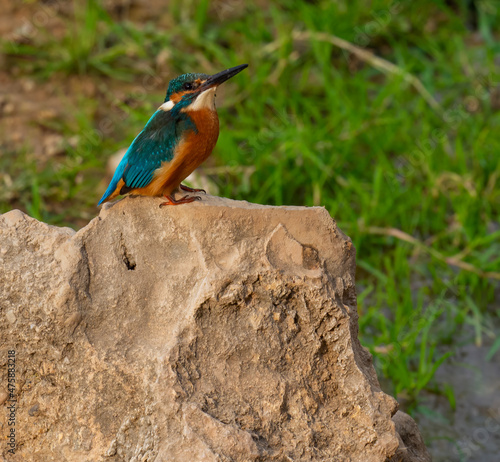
point(178, 137)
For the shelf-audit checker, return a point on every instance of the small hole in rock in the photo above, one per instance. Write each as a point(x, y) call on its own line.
point(310, 258)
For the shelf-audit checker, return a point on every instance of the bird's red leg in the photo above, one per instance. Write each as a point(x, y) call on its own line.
point(183, 200)
point(188, 189)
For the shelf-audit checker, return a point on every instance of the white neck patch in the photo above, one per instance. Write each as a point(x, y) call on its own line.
point(167, 106)
point(205, 100)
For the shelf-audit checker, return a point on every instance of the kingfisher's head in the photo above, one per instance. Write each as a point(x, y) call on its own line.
point(192, 92)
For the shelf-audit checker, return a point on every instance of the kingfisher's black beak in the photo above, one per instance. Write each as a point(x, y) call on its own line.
point(216, 79)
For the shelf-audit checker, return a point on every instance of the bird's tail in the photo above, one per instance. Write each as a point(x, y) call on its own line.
point(114, 182)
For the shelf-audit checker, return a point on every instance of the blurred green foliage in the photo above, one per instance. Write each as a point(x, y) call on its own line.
point(415, 185)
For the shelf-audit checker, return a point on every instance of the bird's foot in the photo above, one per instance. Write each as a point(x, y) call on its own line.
point(183, 200)
point(188, 189)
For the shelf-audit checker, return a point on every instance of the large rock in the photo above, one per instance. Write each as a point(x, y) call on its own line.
point(214, 331)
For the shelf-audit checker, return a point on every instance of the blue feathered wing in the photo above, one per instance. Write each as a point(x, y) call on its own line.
point(153, 145)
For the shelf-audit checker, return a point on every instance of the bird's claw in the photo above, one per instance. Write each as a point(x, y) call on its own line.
point(183, 200)
point(188, 189)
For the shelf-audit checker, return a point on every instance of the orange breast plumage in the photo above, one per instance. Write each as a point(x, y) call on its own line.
point(192, 150)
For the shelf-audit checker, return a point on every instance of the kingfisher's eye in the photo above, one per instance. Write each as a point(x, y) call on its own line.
point(188, 86)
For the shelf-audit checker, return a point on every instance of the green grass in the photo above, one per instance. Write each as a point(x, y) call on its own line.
point(309, 123)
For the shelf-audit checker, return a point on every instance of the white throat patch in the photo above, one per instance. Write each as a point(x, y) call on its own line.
point(167, 106)
point(205, 100)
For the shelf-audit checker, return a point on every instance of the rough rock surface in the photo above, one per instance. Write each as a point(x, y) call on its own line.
point(213, 331)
